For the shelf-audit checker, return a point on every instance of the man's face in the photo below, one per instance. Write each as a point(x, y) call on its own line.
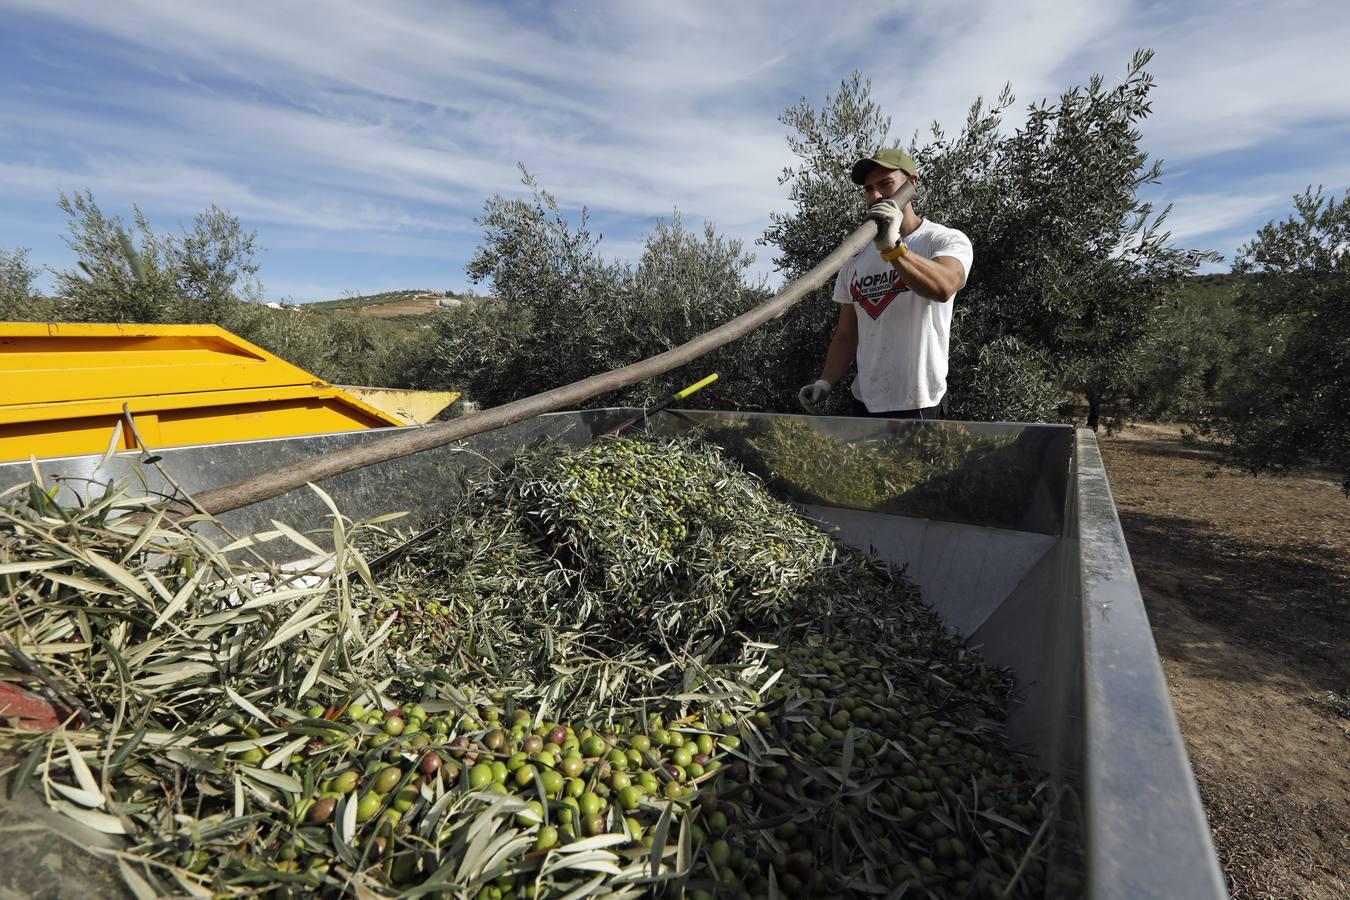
point(881, 183)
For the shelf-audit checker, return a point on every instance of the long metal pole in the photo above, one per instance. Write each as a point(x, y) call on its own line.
point(287, 478)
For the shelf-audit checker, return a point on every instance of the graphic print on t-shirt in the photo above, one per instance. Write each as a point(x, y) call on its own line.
point(875, 292)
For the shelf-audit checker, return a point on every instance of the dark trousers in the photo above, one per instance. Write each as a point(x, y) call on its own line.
point(927, 413)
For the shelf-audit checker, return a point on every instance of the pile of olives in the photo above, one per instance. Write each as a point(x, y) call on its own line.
point(632, 655)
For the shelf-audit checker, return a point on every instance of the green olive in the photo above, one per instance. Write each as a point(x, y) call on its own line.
point(533, 814)
point(346, 782)
point(387, 780)
point(590, 804)
point(553, 781)
point(405, 798)
point(547, 838)
point(635, 828)
point(480, 776)
point(368, 806)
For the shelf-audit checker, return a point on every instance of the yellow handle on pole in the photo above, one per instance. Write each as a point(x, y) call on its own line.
point(696, 386)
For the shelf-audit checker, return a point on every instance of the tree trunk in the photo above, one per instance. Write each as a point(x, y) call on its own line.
point(1094, 409)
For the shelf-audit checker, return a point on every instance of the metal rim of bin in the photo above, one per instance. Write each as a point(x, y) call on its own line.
point(1146, 830)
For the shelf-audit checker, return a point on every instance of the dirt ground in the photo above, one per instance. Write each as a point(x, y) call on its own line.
point(1247, 584)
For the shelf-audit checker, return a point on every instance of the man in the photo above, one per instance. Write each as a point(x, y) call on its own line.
point(895, 313)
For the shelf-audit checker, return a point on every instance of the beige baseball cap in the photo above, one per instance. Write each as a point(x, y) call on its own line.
point(889, 158)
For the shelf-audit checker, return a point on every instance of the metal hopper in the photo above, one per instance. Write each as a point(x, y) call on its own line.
point(1010, 530)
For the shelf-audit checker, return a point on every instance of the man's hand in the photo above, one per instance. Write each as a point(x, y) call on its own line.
point(812, 394)
point(888, 215)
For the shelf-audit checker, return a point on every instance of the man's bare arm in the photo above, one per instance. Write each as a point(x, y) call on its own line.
point(843, 346)
point(932, 279)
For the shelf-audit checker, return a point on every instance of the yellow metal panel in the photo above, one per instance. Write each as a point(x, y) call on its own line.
point(285, 418)
point(63, 388)
point(179, 428)
point(36, 412)
point(412, 407)
point(36, 368)
point(74, 437)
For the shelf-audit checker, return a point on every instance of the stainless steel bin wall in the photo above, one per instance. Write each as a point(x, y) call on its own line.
point(1010, 530)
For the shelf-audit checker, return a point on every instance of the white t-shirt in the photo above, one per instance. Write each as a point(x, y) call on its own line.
point(902, 338)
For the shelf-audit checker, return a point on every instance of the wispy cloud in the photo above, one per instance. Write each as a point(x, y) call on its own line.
point(1195, 216)
point(363, 138)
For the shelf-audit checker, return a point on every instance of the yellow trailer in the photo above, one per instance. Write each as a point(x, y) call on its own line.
point(66, 388)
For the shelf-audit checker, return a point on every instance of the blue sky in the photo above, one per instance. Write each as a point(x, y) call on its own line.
point(360, 140)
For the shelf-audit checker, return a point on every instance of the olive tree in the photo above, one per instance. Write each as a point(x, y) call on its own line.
point(687, 283)
point(1288, 406)
point(167, 278)
point(1203, 342)
point(16, 284)
point(551, 287)
point(206, 273)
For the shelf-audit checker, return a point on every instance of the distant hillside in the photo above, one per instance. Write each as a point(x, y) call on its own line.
point(391, 304)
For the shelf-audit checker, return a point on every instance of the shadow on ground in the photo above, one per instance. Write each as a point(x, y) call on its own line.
point(1290, 600)
point(1176, 450)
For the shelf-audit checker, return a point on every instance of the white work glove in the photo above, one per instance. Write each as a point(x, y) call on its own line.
point(812, 394)
point(888, 215)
